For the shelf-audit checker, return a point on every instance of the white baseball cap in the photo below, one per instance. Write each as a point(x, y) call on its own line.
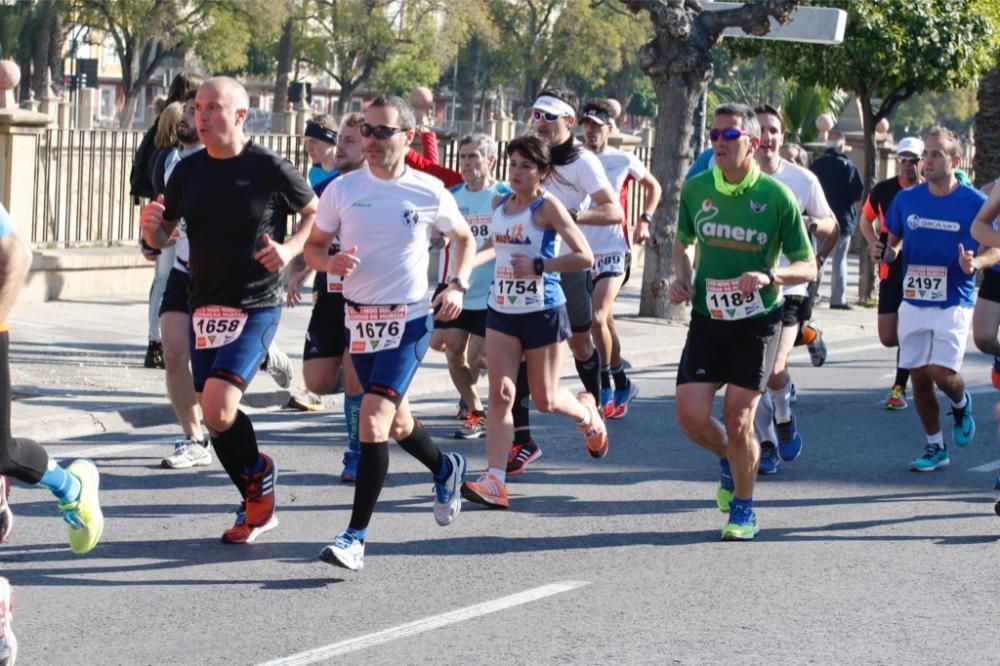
point(910, 144)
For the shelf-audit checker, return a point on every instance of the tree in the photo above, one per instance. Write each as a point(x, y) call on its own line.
point(679, 62)
point(891, 51)
point(986, 163)
point(33, 35)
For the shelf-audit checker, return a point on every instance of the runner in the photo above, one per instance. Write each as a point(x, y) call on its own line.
point(325, 356)
point(909, 156)
point(740, 220)
point(527, 314)
point(75, 486)
point(235, 197)
point(382, 214)
point(612, 259)
point(930, 229)
point(774, 421)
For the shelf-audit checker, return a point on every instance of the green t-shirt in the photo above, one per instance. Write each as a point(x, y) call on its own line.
point(736, 234)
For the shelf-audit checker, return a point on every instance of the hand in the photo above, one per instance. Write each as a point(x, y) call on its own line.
point(294, 296)
point(523, 266)
point(751, 281)
point(149, 254)
point(151, 218)
point(641, 233)
point(344, 262)
point(966, 260)
point(448, 304)
point(681, 290)
point(273, 256)
point(876, 250)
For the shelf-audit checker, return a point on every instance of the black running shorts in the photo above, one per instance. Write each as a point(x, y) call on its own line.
point(730, 352)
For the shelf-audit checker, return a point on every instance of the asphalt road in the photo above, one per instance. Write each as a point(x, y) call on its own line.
point(615, 561)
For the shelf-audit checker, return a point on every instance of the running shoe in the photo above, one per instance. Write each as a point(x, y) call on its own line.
point(996, 482)
point(279, 366)
point(487, 490)
point(965, 426)
point(742, 525)
point(84, 519)
point(473, 428)
point(256, 514)
point(6, 515)
point(607, 402)
point(447, 498)
point(463, 411)
point(188, 452)
point(896, 399)
point(595, 435)
point(350, 473)
point(723, 497)
point(623, 398)
point(793, 396)
point(8, 643)
point(995, 373)
point(817, 348)
point(769, 459)
point(154, 356)
point(789, 441)
point(521, 455)
point(346, 551)
point(934, 457)
point(306, 402)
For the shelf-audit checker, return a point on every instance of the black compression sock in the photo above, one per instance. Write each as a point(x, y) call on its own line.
point(902, 374)
point(522, 430)
point(373, 465)
point(621, 381)
point(590, 374)
point(605, 377)
point(420, 445)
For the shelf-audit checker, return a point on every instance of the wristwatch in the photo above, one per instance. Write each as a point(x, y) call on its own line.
point(647, 218)
point(539, 266)
point(769, 272)
point(460, 284)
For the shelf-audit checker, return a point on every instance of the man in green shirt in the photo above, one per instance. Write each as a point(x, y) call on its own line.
point(739, 220)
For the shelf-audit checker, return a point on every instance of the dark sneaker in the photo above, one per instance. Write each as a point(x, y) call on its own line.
point(521, 455)
point(350, 473)
point(789, 441)
point(769, 459)
point(154, 356)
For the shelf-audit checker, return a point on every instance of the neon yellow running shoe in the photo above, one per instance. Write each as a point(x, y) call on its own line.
point(84, 520)
point(723, 497)
point(742, 525)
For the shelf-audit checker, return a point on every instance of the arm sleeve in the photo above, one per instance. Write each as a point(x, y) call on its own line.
point(294, 189)
point(445, 175)
point(636, 168)
point(816, 204)
point(868, 210)
point(173, 195)
point(328, 215)
point(893, 221)
point(592, 179)
point(448, 216)
point(794, 240)
point(429, 143)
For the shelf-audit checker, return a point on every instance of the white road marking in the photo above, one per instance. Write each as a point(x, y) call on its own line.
point(95, 451)
point(988, 467)
point(320, 654)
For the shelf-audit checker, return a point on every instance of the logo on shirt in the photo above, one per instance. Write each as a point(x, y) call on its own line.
point(914, 222)
point(514, 236)
point(733, 236)
point(411, 217)
point(757, 207)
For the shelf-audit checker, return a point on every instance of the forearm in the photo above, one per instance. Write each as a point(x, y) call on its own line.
point(159, 238)
point(682, 262)
point(798, 272)
point(653, 194)
point(830, 242)
point(316, 254)
point(987, 258)
point(297, 241)
point(606, 214)
point(868, 230)
point(15, 260)
point(984, 232)
point(465, 255)
point(824, 226)
point(569, 263)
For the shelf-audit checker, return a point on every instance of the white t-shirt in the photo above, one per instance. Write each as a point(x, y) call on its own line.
point(390, 223)
point(618, 165)
point(573, 183)
point(809, 196)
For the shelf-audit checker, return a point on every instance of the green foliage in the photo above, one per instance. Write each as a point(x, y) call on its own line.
point(14, 24)
point(955, 110)
point(642, 101)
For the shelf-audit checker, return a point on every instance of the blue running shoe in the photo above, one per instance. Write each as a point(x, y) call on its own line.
point(769, 459)
point(350, 473)
point(607, 406)
point(346, 551)
point(789, 442)
point(447, 498)
point(996, 482)
point(623, 398)
point(935, 457)
point(965, 426)
point(742, 525)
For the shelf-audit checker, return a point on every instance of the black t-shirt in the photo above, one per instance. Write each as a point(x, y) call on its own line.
point(229, 205)
point(876, 207)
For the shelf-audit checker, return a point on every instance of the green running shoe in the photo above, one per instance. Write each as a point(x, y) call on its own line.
point(84, 520)
point(742, 525)
point(723, 497)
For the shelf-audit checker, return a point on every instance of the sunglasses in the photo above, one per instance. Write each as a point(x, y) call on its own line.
point(909, 160)
point(729, 134)
point(549, 117)
point(381, 132)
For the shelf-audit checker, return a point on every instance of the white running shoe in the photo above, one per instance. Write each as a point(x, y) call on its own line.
point(8, 644)
point(6, 516)
point(345, 551)
point(188, 452)
point(447, 499)
point(279, 366)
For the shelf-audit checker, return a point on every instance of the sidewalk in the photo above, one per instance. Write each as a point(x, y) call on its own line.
point(76, 366)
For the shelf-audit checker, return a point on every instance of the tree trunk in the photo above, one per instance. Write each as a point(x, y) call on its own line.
point(344, 98)
point(40, 54)
point(128, 109)
point(284, 67)
point(678, 97)
point(867, 268)
point(468, 78)
point(986, 162)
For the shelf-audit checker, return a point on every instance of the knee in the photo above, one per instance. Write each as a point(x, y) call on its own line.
point(738, 423)
point(502, 394)
point(176, 356)
point(218, 416)
point(690, 421)
point(455, 355)
point(581, 346)
point(984, 342)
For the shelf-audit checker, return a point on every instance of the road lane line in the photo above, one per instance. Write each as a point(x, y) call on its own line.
point(988, 467)
point(317, 655)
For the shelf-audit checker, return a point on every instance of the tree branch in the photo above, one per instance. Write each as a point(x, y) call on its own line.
point(753, 19)
point(893, 99)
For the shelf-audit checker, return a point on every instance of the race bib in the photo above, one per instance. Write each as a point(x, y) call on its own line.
point(375, 327)
point(480, 227)
point(608, 263)
point(926, 283)
point(725, 300)
point(517, 293)
point(217, 325)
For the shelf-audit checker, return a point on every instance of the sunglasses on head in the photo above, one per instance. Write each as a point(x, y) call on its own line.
point(729, 134)
point(382, 132)
point(549, 117)
point(908, 160)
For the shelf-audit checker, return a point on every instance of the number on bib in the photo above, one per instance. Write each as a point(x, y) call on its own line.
point(608, 263)
point(375, 327)
point(217, 325)
point(926, 283)
point(725, 300)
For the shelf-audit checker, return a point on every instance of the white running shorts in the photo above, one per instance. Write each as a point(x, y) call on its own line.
point(933, 336)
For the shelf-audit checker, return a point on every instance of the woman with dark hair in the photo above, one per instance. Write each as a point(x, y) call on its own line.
point(527, 316)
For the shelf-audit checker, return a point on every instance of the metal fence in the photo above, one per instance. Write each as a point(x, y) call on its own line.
point(81, 195)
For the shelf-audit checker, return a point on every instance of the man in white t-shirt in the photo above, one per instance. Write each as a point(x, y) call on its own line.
point(612, 259)
point(383, 214)
point(774, 422)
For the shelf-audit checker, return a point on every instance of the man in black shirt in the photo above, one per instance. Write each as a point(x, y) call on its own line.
point(235, 197)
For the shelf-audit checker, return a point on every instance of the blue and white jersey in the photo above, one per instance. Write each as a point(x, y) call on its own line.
point(932, 228)
point(477, 207)
point(518, 234)
point(319, 178)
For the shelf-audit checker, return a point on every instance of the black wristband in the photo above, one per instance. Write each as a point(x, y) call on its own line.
point(149, 248)
point(647, 218)
point(769, 272)
point(539, 266)
point(574, 213)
